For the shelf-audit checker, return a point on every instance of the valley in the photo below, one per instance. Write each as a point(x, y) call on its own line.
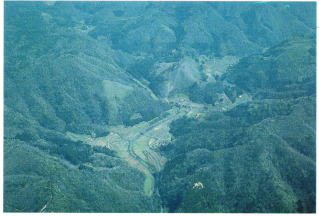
point(139, 145)
point(145, 107)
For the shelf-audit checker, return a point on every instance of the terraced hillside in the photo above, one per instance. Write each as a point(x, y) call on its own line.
point(159, 107)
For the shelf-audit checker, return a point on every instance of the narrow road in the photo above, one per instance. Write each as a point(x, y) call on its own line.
point(145, 164)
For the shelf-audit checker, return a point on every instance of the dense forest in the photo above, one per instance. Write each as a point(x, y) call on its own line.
point(160, 107)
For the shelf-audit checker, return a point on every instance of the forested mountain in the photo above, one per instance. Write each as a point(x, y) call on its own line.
point(159, 107)
point(258, 156)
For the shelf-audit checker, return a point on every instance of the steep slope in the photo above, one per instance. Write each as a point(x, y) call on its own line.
point(58, 79)
point(285, 70)
point(165, 33)
point(42, 182)
point(86, 69)
point(91, 90)
point(258, 156)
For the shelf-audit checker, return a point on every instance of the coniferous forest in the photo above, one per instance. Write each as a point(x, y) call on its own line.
point(160, 107)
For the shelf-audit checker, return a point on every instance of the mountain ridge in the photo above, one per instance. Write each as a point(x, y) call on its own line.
point(124, 107)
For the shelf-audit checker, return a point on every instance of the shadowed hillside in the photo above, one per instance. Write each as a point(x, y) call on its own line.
point(159, 107)
point(258, 156)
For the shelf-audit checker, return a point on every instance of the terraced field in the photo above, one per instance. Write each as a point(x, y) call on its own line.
point(138, 145)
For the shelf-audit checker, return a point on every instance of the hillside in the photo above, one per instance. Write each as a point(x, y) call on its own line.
point(125, 106)
point(258, 156)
